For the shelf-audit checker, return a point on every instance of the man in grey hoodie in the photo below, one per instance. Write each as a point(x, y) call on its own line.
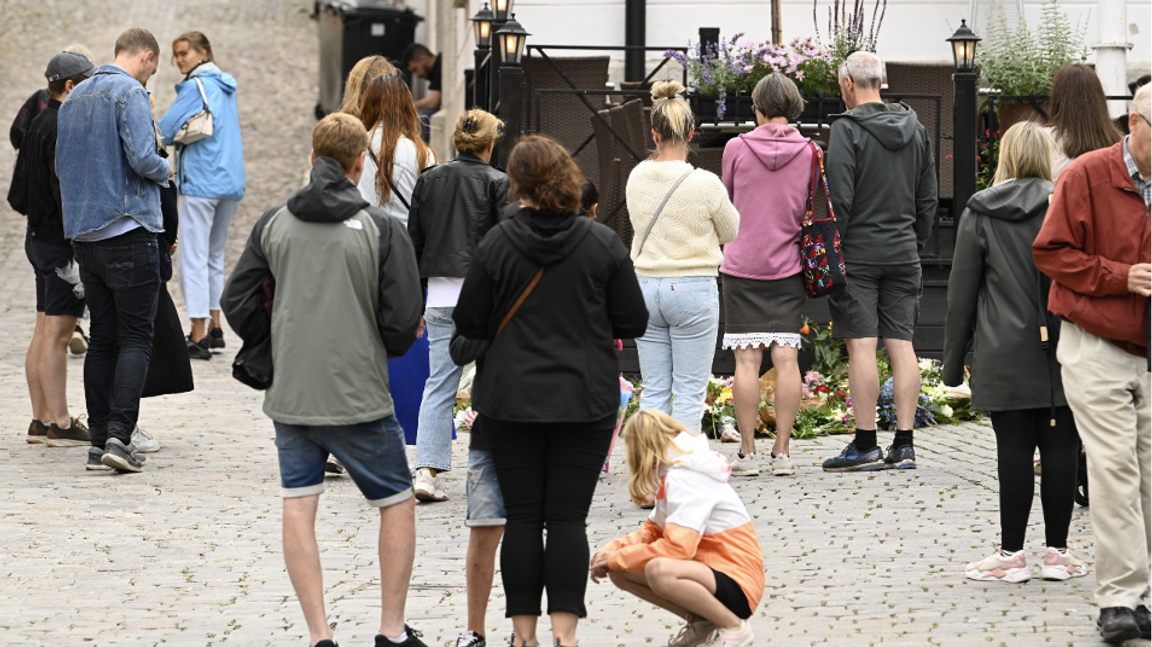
point(328, 286)
point(882, 178)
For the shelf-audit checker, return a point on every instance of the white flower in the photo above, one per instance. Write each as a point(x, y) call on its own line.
point(946, 410)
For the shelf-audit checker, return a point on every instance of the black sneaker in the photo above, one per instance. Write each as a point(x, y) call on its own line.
point(900, 458)
point(120, 458)
point(333, 465)
point(1142, 621)
point(216, 338)
point(198, 349)
point(74, 436)
point(853, 460)
point(412, 641)
point(1116, 625)
point(94, 462)
point(326, 643)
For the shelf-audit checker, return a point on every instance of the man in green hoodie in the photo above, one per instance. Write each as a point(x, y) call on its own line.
point(882, 179)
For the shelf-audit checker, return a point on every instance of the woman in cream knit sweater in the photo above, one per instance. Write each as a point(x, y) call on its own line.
point(681, 216)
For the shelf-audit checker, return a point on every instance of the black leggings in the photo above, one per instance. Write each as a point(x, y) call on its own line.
point(547, 474)
point(1018, 433)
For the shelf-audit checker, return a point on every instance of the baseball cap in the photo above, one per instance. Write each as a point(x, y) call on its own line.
point(66, 65)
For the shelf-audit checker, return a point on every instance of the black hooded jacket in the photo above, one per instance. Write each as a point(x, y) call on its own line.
point(882, 180)
point(555, 360)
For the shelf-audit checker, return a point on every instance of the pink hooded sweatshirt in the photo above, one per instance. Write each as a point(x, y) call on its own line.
point(767, 173)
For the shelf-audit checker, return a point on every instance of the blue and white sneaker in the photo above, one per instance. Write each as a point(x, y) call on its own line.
point(900, 458)
point(853, 460)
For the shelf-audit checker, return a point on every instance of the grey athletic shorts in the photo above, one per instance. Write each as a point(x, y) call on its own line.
point(880, 301)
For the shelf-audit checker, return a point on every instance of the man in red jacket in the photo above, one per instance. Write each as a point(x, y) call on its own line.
point(1095, 244)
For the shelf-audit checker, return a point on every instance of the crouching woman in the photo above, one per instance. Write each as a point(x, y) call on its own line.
point(697, 555)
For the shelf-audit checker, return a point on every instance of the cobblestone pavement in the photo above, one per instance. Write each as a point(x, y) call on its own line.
point(187, 553)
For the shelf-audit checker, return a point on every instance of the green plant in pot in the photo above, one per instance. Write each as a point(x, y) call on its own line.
point(1021, 61)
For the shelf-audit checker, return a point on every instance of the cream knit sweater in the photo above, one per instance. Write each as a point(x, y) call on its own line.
point(697, 219)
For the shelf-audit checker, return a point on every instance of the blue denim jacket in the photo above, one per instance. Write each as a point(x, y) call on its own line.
point(106, 154)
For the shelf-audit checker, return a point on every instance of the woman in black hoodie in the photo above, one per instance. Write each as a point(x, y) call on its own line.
point(997, 309)
point(550, 290)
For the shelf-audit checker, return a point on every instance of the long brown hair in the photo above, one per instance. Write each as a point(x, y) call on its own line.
point(387, 104)
point(542, 171)
point(364, 71)
point(195, 40)
point(1080, 111)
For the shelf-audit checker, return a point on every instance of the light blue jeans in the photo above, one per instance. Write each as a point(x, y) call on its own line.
point(676, 351)
point(434, 435)
point(203, 235)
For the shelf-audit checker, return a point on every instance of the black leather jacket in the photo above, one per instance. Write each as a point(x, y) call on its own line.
point(453, 206)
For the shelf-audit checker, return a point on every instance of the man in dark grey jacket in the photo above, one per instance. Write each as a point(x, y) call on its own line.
point(346, 297)
point(882, 179)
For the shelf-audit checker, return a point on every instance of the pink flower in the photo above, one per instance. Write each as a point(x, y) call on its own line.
point(747, 68)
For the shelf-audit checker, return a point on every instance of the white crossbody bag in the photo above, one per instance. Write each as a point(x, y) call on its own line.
point(199, 125)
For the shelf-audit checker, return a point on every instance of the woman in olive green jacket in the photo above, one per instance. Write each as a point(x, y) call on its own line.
point(994, 300)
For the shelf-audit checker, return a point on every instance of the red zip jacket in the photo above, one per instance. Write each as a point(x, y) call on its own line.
point(1096, 229)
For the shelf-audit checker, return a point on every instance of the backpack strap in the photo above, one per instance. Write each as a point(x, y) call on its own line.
point(519, 301)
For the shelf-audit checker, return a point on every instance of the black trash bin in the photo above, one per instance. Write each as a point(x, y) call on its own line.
point(349, 30)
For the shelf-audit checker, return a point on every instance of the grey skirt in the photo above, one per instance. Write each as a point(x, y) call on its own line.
point(758, 313)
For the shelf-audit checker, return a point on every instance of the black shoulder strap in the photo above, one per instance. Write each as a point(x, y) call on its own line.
point(407, 207)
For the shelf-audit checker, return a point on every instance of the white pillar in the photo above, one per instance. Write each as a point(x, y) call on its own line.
point(1112, 51)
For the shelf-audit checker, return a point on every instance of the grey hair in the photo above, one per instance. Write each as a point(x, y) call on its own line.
point(1141, 101)
point(864, 68)
point(777, 96)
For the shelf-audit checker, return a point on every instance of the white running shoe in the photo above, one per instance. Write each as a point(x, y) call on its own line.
point(745, 465)
point(426, 487)
point(1000, 567)
point(739, 637)
point(143, 442)
point(782, 465)
point(693, 634)
point(1061, 565)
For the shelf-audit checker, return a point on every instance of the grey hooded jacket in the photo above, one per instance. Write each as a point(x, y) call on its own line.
point(882, 178)
point(994, 301)
point(347, 297)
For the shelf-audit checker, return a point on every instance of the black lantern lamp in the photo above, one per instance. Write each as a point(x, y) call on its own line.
point(963, 118)
point(510, 39)
point(482, 23)
point(964, 48)
point(509, 42)
point(503, 9)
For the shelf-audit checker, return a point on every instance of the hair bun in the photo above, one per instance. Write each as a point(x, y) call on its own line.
point(666, 90)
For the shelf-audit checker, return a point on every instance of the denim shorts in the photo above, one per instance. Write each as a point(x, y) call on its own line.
point(485, 501)
point(372, 453)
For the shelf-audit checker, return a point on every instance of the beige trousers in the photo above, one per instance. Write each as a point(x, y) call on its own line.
point(1108, 390)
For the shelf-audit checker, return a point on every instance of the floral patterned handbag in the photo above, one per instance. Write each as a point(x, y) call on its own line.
point(821, 257)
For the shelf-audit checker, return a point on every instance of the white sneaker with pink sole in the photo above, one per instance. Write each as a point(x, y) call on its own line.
point(1000, 567)
point(1061, 565)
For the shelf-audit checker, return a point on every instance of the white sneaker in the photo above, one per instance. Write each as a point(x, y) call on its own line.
point(745, 466)
point(426, 487)
point(143, 442)
point(782, 465)
point(1000, 567)
point(738, 637)
point(470, 639)
point(1061, 565)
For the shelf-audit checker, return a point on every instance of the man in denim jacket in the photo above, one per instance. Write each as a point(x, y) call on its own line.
point(110, 177)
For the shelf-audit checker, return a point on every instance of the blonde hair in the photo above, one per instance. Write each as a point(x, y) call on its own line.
point(475, 130)
point(648, 436)
point(363, 73)
point(671, 115)
point(341, 137)
point(1025, 151)
point(80, 49)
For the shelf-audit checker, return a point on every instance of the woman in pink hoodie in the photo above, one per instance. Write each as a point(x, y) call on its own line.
point(767, 173)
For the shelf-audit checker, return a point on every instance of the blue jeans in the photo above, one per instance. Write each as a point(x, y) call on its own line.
point(485, 502)
point(121, 279)
point(434, 435)
point(676, 351)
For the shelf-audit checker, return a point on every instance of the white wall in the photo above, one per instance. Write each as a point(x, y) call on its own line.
point(913, 30)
